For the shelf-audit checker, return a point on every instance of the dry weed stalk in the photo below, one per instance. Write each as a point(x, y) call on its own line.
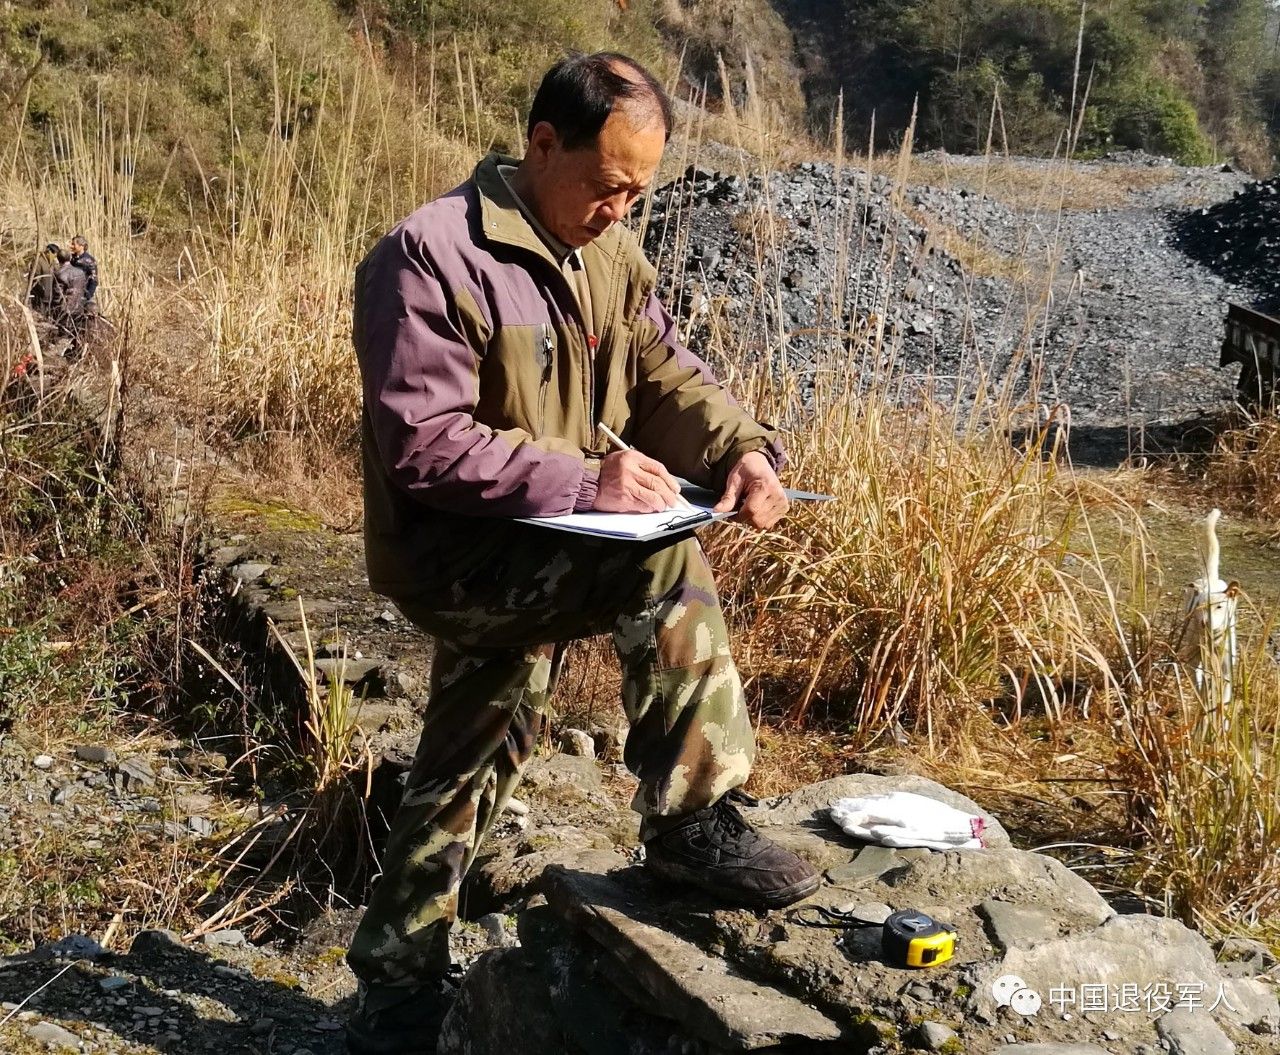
point(331, 722)
point(1203, 782)
point(273, 273)
point(1244, 468)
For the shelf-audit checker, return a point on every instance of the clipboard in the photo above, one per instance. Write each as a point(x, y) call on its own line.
point(646, 527)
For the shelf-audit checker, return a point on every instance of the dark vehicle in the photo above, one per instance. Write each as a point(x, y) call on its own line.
point(1253, 341)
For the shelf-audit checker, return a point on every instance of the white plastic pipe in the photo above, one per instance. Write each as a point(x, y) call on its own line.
point(1209, 627)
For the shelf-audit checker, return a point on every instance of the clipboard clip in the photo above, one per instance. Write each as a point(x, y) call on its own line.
point(676, 523)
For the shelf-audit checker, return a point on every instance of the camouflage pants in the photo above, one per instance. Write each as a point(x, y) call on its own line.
point(690, 737)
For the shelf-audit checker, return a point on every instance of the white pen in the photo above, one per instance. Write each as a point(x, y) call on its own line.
point(623, 446)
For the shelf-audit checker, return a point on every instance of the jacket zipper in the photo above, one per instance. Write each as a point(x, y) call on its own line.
point(588, 343)
point(547, 345)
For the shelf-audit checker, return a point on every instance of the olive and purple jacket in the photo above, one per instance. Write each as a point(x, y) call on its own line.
point(482, 388)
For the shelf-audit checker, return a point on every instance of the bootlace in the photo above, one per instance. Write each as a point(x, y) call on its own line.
point(727, 826)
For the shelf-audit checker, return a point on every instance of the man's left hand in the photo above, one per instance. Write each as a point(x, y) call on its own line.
point(753, 487)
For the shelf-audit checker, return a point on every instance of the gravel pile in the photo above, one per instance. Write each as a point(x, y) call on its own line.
point(1239, 239)
point(801, 266)
point(1099, 309)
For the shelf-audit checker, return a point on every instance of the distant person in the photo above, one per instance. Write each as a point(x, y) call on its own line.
point(79, 277)
point(43, 291)
point(496, 327)
point(71, 293)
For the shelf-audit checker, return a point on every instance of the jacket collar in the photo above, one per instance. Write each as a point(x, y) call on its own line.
point(504, 221)
point(500, 213)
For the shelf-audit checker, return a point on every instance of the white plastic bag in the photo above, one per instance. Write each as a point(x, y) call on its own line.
point(902, 818)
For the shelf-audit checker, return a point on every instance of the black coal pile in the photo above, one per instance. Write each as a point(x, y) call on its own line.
point(802, 267)
point(1097, 309)
point(1239, 239)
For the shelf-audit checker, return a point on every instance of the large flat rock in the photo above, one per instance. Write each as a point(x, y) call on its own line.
point(588, 995)
point(712, 999)
point(1143, 961)
point(502, 1008)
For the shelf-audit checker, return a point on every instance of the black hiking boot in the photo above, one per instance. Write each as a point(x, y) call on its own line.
point(716, 849)
point(392, 1020)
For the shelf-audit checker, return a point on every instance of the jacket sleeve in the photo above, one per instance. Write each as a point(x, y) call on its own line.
point(419, 342)
point(683, 416)
point(89, 266)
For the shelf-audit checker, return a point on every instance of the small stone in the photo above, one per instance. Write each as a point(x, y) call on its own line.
point(869, 863)
point(514, 805)
point(200, 826)
point(64, 794)
point(248, 572)
point(1188, 1033)
point(224, 937)
point(43, 761)
point(136, 772)
point(354, 671)
point(262, 1027)
point(577, 742)
point(75, 947)
point(96, 753)
point(386, 616)
point(495, 929)
point(148, 1011)
point(155, 942)
point(194, 804)
point(112, 983)
point(1236, 949)
point(408, 684)
point(608, 743)
point(1017, 926)
point(934, 1035)
point(873, 912)
point(52, 1035)
point(225, 970)
point(195, 761)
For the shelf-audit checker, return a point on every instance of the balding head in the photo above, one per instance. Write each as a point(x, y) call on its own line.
point(579, 93)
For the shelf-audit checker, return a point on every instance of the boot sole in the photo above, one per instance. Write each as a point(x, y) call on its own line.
point(687, 876)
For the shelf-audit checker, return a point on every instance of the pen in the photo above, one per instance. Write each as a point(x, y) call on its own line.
point(622, 446)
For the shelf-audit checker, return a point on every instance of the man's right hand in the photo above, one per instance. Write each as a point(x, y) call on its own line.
point(631, 482)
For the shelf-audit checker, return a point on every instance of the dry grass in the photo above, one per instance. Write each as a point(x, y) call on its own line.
point(1035, 186)
point(934, 581)
point(1244, 467)
point(1203, 780)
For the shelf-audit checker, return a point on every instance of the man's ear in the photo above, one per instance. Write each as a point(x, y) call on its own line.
point(543, 141)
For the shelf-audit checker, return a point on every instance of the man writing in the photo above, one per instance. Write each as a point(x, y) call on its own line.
point(496, 328)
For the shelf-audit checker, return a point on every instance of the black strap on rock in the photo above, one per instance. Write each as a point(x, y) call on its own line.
point(821, 916)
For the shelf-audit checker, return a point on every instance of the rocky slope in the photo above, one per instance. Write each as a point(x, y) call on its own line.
point(1100, 308)
point(589, 956)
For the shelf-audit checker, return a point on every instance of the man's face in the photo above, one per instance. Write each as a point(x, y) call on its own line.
point(579, 194)
point(77, 248)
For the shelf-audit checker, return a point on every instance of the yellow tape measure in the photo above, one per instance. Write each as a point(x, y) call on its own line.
point(910, 938)
point(916, 939)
